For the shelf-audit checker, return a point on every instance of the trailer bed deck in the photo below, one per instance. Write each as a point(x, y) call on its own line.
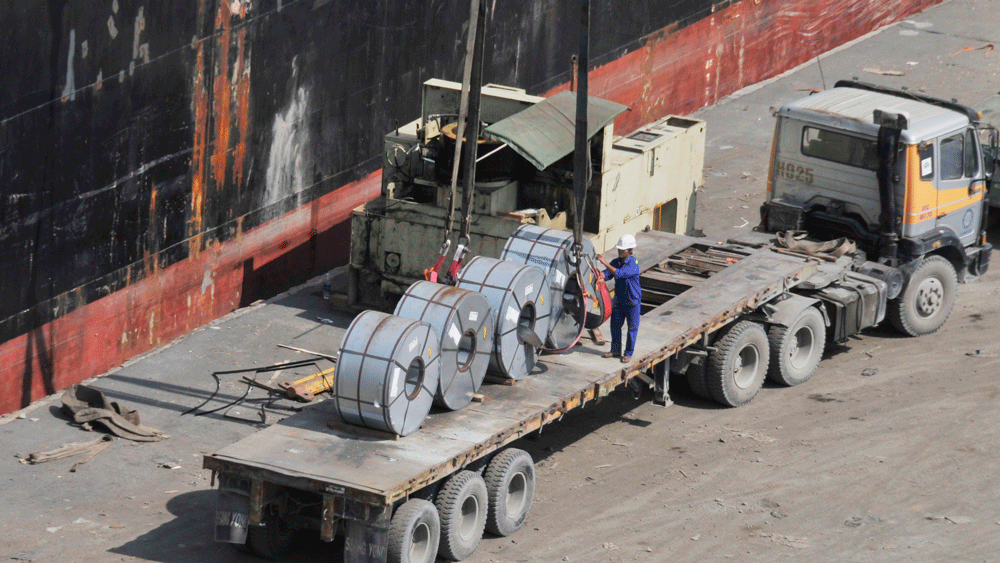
point(315, 451)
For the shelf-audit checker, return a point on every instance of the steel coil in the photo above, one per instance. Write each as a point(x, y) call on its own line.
point(463, 320)
point(387, 372)
point(552, 251)
point(519, 296)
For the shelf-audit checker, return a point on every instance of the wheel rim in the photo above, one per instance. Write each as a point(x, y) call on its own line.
point(420, 542)
point(470, 515)
point(801, 349)
point(930, 296)
point(516, 494)
point(745, 367)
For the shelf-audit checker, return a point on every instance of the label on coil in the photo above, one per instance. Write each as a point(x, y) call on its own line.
point(413, 344)
point(474, 316)
point(560, 278)
point(396, 376)
point(454, 333)
point(512, 314)
point(529, 289)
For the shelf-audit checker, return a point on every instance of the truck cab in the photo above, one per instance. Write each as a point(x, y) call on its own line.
point(904, 176)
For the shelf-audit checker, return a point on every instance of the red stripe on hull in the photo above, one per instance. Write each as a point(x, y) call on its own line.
point(678, 72)
point(101, 335)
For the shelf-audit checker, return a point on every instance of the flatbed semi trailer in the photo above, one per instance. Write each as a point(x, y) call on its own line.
point(706, 307)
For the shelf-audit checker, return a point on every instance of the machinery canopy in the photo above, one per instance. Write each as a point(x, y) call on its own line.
point(544, 132)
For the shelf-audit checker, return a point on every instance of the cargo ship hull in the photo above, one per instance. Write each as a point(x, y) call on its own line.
point(162, 165)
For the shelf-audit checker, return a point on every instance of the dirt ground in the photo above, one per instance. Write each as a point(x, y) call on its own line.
point(888, 454)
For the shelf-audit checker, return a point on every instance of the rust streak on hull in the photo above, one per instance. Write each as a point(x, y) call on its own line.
point(222, 97)
point(200, 96)
point(242, 107)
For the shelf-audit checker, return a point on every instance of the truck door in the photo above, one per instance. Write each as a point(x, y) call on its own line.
point(960, 185)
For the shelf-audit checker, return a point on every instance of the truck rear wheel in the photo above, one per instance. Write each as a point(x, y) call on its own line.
point(797, 349)
point(414, 533)
point(510, 486)
point(274, 539)
point(462, 507)
point(737, 365)
point(927, 300)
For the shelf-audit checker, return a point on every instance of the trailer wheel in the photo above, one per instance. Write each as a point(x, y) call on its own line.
point(414, 533)
point(927, 300)
point(797, 349)
point(510, 486)
point(737, 366)
point(274, 539)
point(462, 505)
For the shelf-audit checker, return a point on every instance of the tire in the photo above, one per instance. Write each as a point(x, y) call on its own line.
point(242, 547)
point(737, 366)
point(510, 487)
point(696, 381)
point(462, 506)
point(273, 540)
point(414, 533)
point(797, 349)
point(927, 299)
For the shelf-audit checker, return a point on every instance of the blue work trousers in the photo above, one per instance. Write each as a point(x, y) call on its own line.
point(619, 313)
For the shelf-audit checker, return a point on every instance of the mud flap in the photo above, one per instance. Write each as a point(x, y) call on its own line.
point(364, 543)
point(366, 531)
point(232, 515)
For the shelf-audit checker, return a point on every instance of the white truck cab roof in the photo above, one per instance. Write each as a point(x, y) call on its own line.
point(852, 109)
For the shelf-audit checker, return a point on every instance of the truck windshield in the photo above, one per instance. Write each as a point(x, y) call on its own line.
point(840, 148)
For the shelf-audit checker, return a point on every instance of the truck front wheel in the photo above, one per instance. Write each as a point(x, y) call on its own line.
point(927, 300)
point(797, 349)
point(737, 365)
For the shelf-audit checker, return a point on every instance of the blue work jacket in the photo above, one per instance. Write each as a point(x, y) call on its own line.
point(627, 289)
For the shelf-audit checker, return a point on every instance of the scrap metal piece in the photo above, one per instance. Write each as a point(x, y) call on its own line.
point(308, 387)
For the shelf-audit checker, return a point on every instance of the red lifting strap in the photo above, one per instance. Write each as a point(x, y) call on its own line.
point(431, 274)
point(602, 301)
point(456, 264)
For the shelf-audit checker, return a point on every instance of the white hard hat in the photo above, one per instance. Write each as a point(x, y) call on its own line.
point(626, 242)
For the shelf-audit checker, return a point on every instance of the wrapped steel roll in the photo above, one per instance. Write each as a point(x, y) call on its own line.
point(387, 372)
point(462, 319)
point(519, 297)
point(552, 251)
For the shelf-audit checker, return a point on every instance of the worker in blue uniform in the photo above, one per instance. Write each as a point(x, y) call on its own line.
point(628, 296)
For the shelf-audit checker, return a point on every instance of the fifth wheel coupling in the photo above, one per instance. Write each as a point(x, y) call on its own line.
point(464, 321)
point(520, 299)
point(552, 251)
point(387, 372)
